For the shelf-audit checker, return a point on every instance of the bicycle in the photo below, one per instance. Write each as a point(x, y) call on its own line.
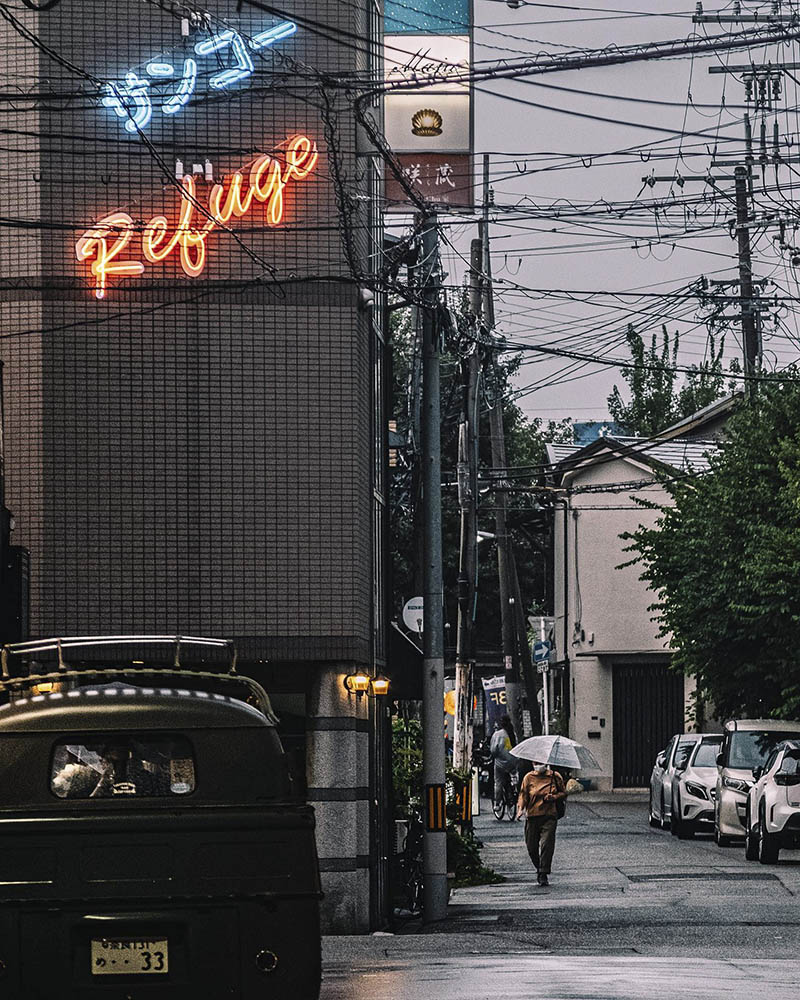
point(408, 877)
point(507, 806)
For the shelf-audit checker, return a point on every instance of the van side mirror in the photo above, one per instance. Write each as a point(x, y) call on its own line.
point(720, 760)
point(757, 772)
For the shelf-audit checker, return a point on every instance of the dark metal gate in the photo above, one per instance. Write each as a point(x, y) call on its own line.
point(648, 710)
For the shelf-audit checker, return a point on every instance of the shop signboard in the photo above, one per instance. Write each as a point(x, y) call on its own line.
point(428, 102)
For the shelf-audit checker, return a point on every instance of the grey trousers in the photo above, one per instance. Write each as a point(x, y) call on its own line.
point(540, 839)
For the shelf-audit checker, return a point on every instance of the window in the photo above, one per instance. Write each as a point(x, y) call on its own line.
point(124, 765)
point(706, 755)
point(790, 763)
point(682, 754)
point(750, 749)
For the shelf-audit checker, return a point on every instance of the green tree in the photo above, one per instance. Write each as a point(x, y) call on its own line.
point(725, 562)
point(526, 441)
point(656, 397)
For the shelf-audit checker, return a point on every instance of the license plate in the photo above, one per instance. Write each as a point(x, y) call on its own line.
point(129, 956)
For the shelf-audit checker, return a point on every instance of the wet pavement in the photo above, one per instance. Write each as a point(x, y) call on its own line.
point(631, 913)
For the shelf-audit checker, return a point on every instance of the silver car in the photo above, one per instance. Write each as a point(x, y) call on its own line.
point(772, 818)
point(747, 743)
point(694, 788)
point(675, 755)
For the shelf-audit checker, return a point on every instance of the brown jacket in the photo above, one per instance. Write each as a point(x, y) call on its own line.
point(538, 794)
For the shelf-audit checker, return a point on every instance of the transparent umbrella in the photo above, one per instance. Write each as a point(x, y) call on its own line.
point(557, 751)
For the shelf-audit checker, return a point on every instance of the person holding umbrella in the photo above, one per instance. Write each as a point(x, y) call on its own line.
point(542, 794)
point(541, 789)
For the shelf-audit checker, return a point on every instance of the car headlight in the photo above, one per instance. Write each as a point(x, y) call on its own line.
point(737, 784)
point(698, 791)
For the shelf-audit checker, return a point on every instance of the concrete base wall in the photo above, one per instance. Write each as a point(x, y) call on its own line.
point(593, 712)
point(338, 774)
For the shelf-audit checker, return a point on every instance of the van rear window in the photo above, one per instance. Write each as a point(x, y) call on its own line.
point(122, 766)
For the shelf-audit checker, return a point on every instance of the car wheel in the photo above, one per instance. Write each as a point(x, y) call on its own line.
point(674, 819)
point(721, 839)
point(750, 841)
point(651, 815)
point(664, 820)
point(684, 830)
point(768, 847)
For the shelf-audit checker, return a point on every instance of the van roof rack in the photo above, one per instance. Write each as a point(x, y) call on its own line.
point(79, 658)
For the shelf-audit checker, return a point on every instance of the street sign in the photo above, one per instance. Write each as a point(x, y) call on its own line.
point(413, 614)
point(541, 651)
point(543, 667)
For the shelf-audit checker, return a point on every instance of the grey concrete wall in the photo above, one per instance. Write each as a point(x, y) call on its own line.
point(337, 770)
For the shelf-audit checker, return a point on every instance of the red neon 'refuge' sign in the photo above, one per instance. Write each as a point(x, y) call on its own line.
point(108, 244)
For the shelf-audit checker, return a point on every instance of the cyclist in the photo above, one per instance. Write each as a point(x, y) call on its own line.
point(505, 763)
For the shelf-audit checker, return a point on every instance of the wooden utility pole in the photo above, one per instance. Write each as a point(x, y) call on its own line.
point(434, 848)
point(498, 446)
point(750, 321)
point(468, 505)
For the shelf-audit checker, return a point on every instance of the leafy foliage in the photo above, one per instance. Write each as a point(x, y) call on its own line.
point(725, 562)
point(525, 445)
point(463, 850)
point(656, 398)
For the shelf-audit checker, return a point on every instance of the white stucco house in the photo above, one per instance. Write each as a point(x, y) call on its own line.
point(612, 680)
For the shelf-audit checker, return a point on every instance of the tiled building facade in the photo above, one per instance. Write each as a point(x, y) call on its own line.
point(203, 455)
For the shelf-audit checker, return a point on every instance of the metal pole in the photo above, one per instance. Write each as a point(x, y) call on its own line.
point(545, 688)
point(434, 850)
point(498, 447)
point(750, 333)
point(467, 499)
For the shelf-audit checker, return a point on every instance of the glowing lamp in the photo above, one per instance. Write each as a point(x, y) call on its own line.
point(380, 686)
point(357, 684)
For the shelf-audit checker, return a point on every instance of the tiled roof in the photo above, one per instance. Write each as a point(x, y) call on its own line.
point(678, 453)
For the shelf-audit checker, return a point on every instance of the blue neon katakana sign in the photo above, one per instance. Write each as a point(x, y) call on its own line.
point(131, 99)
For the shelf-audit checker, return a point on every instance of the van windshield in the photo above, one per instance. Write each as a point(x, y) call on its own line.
point(751, 749)
point(134, 765)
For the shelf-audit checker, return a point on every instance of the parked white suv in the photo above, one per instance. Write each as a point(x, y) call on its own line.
point(674, 756)
point(772, 819)
point(694, 787)
point(747, 744)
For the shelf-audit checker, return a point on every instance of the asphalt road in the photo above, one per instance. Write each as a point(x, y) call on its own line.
point(631, 913)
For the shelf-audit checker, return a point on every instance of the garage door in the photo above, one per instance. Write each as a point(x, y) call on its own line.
point(648, 710)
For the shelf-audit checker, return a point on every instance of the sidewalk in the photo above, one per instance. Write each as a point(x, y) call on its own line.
point(632, 912)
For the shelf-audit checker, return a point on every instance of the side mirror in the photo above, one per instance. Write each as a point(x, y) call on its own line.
point(720, 761)
point(757, 772)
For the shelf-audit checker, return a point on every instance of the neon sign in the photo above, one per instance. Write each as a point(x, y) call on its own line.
point(131, 101)
point(105, 243)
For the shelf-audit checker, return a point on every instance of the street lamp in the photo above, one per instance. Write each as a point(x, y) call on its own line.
point(357, 684)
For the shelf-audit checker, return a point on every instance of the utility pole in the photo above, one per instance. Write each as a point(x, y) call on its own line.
point(498, 446)
point(434, 848)
point(751, 334)
point(468, 504)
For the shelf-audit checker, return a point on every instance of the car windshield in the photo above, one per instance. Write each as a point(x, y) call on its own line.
point(682, 755)
point(751, 749)
point(144, 766)
point(706, 755)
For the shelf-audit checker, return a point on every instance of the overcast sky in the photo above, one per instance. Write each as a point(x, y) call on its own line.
point(547, 159)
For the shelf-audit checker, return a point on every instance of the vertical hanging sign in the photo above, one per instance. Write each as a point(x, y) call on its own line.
point(429, 126)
